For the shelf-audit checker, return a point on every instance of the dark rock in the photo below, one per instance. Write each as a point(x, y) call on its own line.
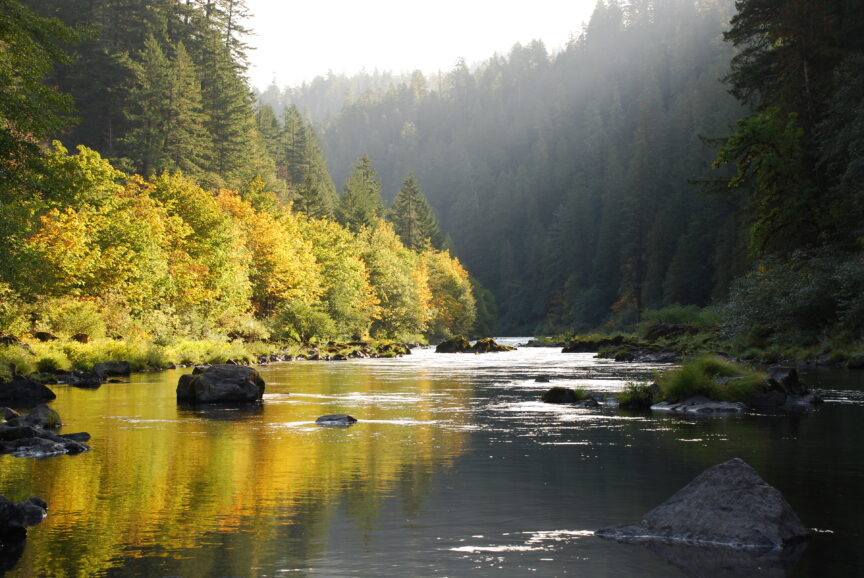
point(44, 336)
point(785, 379)
point(336, 420)
point(7, 413)
point(112, 369)
point(727, 505)
point(42, 416)
point(81, 338)
point(25, 392)
point(35, 442)
point(559, 394)
point(855, 362)
point(33, 510)
point(199, 369)
point(457, 344)
point(541, 379)
point(79, 437)
point(700, 405)
point(87, 380)
point(8, 339)
point(221, 384)
point(15, 517)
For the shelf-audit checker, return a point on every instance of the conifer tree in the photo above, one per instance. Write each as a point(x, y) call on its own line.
point(412, 218)
point(361, 204)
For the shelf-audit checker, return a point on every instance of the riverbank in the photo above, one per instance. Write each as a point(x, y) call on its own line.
point(62, 356)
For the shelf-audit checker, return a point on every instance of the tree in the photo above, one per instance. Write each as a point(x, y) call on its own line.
point(361, 204)
point(412, 217)
point(30, 110)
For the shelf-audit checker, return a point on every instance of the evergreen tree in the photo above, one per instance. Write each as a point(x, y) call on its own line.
point(361, 204)
point(412, 218)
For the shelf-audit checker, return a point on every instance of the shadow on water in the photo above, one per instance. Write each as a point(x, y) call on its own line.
point(702, 562)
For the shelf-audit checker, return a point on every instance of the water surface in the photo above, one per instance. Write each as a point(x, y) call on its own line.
point(454, 469)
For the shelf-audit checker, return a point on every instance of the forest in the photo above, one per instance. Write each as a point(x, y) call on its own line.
point(144, 196)
point(678, 155)
point(675, 154)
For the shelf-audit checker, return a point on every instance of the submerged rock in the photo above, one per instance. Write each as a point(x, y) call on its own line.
point(336, 420)
point(700, 405)
point(221, 384)
point(727, 505)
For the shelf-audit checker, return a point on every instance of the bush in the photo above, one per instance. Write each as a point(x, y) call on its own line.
point(711, 377)
point(23, 361)
point(302, 323)
point(68, 316)
point(13, 312)
point(636, 396)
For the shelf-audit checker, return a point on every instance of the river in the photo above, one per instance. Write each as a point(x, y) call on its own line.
point(454, 469)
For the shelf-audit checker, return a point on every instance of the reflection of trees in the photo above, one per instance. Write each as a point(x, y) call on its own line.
point(224, 495)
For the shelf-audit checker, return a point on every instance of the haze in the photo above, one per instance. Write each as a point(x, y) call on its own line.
point(295, 42)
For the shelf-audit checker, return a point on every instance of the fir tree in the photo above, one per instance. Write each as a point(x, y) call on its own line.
point(361, 204)
point(412, 218)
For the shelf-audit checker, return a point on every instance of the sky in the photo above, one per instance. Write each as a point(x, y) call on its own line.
point(296, 41)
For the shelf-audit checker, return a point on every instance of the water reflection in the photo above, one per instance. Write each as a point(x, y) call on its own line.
point(455, 467)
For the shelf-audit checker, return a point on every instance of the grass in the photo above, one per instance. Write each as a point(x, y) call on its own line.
point(712, 377)
point(636, 396)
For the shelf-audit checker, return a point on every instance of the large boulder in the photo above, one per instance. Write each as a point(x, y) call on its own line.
point(36, 442)
point(15, 518)
point(488, 345)
point(560, 394)
point(221, 384)
point(42, 416)
point(24, 392)
point(457, 344)
point(727, 505)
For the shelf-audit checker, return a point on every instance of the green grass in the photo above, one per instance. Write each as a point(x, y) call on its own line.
point(636, 396)
point(712, 377)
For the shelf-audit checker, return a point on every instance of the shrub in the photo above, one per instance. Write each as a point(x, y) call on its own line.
point(13, 312)
point(23, 360)
point(68, 316)
point(302, 323)
point(636, 396)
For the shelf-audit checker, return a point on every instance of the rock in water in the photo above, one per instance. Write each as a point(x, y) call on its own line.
point(25, 392)
point(726, 505)
point(339, 420)
point(221, 384)
point(457, 344)
point(560, 394)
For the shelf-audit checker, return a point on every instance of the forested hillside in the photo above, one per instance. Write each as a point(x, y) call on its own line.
point(184, 210)
point(564, 180)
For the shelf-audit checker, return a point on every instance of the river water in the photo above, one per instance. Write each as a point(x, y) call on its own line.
point(454, 469)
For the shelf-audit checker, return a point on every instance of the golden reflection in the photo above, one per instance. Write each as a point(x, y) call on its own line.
point(166, 481)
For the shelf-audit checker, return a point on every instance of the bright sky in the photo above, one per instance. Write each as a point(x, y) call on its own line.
point(297, 41)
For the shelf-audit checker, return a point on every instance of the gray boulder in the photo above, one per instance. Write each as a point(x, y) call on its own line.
point(727, 505)
point(221, 384)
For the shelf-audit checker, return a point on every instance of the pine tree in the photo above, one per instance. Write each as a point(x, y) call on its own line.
point(412, 217)
point(361, 204)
